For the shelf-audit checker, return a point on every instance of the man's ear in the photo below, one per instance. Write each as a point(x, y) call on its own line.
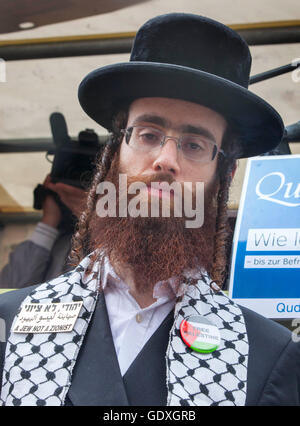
point(233, 169)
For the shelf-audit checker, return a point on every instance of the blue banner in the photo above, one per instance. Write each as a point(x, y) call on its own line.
point(265, 269)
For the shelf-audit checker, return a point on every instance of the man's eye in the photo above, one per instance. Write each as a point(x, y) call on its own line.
point(149, 137)
point(194, 146)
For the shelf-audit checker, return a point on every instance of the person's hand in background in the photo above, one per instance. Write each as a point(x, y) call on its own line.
point(51, 211)
point(74, 198)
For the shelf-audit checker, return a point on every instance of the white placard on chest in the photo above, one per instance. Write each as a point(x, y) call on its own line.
point(47, 317)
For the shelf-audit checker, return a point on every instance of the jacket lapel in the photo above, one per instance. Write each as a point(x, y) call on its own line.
point(96, 379)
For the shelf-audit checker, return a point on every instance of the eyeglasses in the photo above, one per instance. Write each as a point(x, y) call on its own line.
point(194, 148)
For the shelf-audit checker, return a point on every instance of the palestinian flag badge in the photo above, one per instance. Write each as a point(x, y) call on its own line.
point(200, 334)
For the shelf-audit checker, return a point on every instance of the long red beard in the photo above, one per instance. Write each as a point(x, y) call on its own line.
point(154, 248)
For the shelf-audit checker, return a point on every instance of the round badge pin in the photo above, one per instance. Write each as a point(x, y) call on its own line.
point(200, 334)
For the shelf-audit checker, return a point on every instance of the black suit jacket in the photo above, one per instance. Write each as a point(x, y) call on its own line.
point(273, 366)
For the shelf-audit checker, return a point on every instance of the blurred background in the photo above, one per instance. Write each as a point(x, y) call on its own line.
point(40, 79)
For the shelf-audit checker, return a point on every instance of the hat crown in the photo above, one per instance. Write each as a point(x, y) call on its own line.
point(196, 42)
point(193, 58)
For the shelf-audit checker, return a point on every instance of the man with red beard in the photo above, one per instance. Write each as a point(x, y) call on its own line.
point(142, 319)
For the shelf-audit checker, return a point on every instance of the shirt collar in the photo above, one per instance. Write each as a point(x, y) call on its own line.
point(170, 288)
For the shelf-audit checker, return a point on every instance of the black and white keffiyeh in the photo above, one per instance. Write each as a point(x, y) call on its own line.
point(216, 378)
point(38, 367)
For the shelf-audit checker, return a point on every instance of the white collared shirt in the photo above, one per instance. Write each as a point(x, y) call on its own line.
point(131, 325)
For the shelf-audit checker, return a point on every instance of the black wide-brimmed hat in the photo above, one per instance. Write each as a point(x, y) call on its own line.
point(192, 58)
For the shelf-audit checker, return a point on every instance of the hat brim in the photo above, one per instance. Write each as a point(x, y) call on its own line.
point(103, 90)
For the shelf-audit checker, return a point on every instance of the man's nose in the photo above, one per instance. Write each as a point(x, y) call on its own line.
point(167, 158)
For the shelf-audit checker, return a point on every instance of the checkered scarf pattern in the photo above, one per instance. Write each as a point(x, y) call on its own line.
point(216, 378)
point(38, 367)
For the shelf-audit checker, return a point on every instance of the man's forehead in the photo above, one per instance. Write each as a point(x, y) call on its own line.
point(174, 103)
point(176, 114)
